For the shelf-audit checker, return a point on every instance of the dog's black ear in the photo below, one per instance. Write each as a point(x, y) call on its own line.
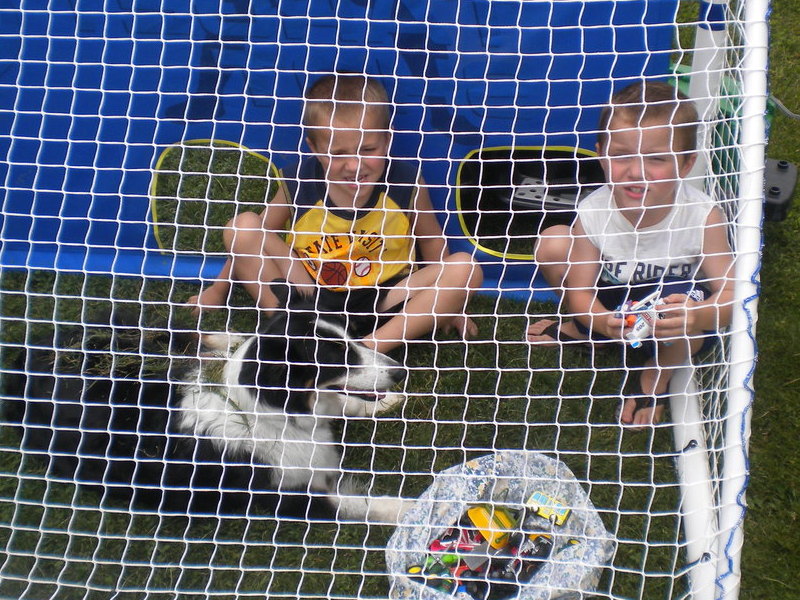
point(294, 297)
point(330, 302)
point(282, 291)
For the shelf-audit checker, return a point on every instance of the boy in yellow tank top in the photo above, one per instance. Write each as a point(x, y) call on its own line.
point(353, 221)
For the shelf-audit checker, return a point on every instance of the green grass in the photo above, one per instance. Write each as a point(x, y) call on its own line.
point(194, 186)
point(505, 400)
point(770, 563)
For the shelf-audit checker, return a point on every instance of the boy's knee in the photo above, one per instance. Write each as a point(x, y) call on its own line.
point(245, 231)
point(463, 271)
point(246, 220)
point(553, 245)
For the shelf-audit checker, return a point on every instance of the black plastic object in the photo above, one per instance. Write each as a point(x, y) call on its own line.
point(780, 178)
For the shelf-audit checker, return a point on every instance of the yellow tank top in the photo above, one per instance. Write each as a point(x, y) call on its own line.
point(364, 247)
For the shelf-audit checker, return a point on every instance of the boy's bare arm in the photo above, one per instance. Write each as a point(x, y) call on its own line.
point(689, 317)
point(276, 222)
point(718, 264)
point(583, 268)
point(426, 229)
point(278, 211)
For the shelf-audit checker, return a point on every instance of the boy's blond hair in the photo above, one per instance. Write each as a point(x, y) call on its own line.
point(648, 102)
point(344, 92)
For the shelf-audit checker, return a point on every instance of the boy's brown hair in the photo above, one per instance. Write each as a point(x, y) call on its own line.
point(652, 101)
point(348, 91)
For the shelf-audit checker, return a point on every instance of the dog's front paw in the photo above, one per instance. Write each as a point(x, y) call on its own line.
point(222, 343)
point(389, 401)
point(386, 510)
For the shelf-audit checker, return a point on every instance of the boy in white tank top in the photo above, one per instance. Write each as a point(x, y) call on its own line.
point(645, 231)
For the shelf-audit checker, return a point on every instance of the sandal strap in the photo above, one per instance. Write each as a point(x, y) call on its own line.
point(650, 401)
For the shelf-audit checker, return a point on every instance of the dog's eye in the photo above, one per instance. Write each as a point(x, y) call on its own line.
point(338, 344)
point(341, 345)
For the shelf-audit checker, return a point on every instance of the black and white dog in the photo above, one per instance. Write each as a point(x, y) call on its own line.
point(247, 422)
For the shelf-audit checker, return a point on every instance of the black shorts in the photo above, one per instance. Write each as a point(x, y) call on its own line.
point(361, 304)
point(614, 296)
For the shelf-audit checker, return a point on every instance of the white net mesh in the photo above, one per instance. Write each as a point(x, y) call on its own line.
point(130, 137)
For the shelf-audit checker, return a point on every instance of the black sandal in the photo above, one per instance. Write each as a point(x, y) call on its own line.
point(584, 346)
point(649, 402)
point(642, 401)
point(553, 331)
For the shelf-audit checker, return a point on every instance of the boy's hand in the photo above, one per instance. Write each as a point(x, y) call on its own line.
point(678, 317)
point(463, 326)
point(615, 328)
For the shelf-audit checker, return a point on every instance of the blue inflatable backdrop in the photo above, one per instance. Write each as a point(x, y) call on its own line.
point(91, 91)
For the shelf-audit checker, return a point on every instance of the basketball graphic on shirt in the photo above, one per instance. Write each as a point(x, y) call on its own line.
point(362, 267)
point(333, 273)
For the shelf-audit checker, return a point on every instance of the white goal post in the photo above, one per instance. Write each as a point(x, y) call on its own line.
point(130, 134)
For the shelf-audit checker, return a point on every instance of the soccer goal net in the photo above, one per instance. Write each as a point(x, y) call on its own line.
point(253, 447)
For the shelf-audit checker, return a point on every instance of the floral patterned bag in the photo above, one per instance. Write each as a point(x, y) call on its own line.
point(581, 545)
